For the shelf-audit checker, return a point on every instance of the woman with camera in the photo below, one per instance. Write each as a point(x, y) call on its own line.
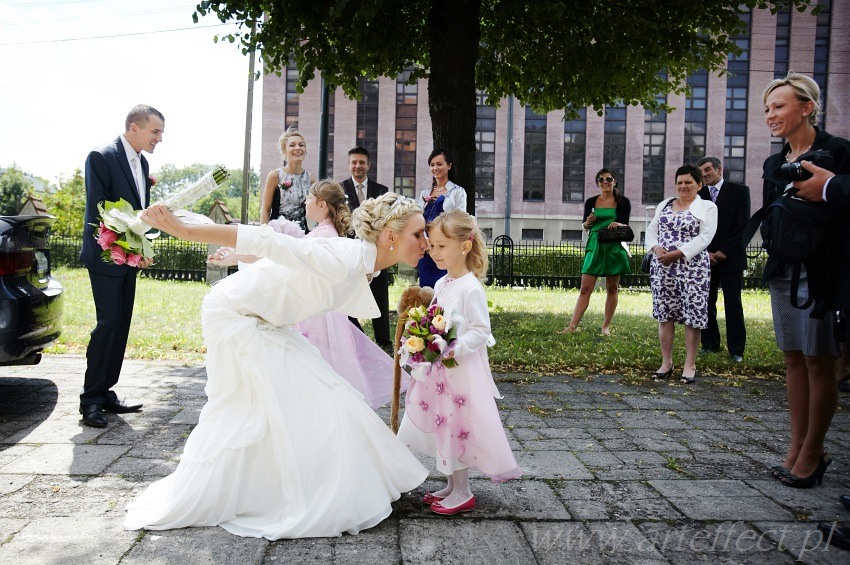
point(608, 210)
point(809, 346)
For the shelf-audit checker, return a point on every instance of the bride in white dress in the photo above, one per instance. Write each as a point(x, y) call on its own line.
point(284, 447)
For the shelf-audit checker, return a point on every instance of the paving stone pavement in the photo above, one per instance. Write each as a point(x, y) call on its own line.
point(615, 472)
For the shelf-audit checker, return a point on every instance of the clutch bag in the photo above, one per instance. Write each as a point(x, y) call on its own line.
point(620, 233)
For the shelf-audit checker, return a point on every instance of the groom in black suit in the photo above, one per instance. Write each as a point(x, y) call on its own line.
point(727, 255)
point(357, 189)
point(115, 171)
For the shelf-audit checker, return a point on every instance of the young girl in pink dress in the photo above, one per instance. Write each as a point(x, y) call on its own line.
point(347, 349)
point(452, 414)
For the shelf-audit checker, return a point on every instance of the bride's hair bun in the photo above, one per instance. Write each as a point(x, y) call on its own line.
point(390, 210)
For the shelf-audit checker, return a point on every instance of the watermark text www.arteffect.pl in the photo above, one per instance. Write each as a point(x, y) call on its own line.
point(732, 538)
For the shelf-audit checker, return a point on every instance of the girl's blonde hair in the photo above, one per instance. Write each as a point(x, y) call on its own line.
point(389, 210)
point(331, 193)
point(284, 138)
point(805, 88)
point(457, 224)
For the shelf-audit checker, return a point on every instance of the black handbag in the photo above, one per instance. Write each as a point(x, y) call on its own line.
point(618, 234)
point(647, 259)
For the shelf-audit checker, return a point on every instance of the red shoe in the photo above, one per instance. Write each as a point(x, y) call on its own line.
point(467, 506)
point(430, 498)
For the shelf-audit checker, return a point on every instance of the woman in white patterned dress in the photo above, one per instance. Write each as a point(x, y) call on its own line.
point(680, 272)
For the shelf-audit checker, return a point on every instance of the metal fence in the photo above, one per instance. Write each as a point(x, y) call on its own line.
point(175, 259)
point(550, 264)
point(524, 263)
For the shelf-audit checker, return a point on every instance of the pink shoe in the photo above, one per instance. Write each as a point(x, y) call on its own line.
point(430, 498)
point(467, 506)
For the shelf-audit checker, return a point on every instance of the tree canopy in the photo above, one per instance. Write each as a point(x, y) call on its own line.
point(14, 186)
point(170, 178)
point(68, 204)
point(547, 54)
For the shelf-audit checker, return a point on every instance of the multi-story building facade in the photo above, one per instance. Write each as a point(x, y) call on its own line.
point(535, 171)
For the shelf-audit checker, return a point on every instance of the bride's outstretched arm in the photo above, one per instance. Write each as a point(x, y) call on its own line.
point(159, 217)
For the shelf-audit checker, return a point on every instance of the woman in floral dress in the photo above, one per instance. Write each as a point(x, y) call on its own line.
point(287, 187)
point(680, 272)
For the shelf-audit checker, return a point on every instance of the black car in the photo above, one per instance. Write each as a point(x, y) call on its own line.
point(30, 298)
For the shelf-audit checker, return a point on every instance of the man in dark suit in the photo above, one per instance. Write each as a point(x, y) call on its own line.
point(357, 189)
point(727, 256)
point(115, 171)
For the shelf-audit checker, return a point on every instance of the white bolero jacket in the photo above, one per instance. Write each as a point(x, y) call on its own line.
point(703, 210)
point(455, 198)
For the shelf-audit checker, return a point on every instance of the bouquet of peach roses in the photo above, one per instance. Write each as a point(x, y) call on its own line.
point(428, 337)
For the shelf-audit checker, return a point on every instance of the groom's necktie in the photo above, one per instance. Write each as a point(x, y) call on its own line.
point(136, 165)
point(361, 194)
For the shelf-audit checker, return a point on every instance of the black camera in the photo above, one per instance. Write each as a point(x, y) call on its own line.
point(792, 172)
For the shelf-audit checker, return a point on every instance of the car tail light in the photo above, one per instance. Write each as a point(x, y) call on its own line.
point(15, 262)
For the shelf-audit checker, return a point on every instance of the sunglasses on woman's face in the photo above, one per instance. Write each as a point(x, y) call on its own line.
point(604, 179)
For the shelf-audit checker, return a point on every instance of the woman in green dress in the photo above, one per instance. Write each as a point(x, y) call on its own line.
point(607, 210)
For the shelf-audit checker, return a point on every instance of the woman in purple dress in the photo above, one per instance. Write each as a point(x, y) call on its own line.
point(444, 195)
point(680, 271)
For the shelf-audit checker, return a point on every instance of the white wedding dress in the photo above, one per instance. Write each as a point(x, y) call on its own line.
point(284, 447)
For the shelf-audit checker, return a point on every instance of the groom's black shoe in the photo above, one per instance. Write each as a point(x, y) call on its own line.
point(93, 416)
point(118, 407)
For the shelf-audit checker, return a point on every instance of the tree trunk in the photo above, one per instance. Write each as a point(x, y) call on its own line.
point(454, 31)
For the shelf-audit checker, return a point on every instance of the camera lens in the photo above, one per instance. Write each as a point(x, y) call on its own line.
point(793, 172)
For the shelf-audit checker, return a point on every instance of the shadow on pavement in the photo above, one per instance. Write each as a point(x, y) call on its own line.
point(24, 403)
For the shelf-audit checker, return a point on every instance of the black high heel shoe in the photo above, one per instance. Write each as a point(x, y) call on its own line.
point(663, 376)
point(794, 481)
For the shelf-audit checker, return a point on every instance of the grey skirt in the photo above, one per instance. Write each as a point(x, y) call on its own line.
point(794, 329)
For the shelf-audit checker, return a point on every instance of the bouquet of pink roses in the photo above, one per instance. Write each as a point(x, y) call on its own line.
point(123, 235)
point(428, 336)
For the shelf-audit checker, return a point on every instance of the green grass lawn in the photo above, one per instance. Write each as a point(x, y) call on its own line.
point(166, 325)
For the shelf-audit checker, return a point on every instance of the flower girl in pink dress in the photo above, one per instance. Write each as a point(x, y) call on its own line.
point(345, 347)
point(452, 414)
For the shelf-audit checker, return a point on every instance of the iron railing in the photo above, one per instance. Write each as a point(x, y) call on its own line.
point(551, 264)
point(512, 263)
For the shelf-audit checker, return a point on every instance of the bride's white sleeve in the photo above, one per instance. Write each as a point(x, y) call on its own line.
point(335, 258)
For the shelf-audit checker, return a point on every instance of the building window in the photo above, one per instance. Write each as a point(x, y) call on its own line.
point(696, 105)
point(405, 134)
point(367, 122)
point(575, 137)
point(488, 233)
point(737, 86)
point(534, 172)
point(783, 38)
point(571, 235)
point(781, 55)
point(654, 139)
point(532, 234)
point(822, 54)
point(330, 147)
point(614, 150)
point(292, 97)
point(485, 148)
